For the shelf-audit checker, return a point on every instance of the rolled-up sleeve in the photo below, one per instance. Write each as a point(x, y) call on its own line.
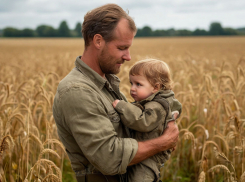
point(142, 121)
point(86, 117)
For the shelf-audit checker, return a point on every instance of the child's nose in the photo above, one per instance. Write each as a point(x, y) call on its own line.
point(132, 88)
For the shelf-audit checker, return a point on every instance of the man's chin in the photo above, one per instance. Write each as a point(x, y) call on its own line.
point(115, 71)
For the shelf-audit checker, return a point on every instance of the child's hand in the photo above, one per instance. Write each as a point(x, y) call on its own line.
point(115, 103)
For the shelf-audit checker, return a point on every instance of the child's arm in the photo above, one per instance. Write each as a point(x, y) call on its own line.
point(144, 121)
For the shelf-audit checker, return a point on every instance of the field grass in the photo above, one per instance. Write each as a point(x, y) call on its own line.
point(209, 81)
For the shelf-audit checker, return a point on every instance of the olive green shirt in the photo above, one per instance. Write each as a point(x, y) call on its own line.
point(89, 127)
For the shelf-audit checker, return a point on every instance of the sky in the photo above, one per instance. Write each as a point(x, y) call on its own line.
point(158, 14)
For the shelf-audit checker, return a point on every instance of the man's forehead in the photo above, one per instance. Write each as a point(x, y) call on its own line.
point(122, 31)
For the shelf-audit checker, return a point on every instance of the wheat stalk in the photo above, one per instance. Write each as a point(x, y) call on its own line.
point(48, 151)
point(219, 167)
point(228, 74)
point(52, 177)
point(242, 177)
point(54, 141)
point(205, 145)
point(201, 127)
point(6, 144)
point(201, 177)
point(224, 141)
point(48, 165)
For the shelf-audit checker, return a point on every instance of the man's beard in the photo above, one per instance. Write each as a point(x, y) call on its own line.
point(107, 64)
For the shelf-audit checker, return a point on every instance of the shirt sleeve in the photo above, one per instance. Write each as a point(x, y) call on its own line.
point(89, 124)
point(143, 121)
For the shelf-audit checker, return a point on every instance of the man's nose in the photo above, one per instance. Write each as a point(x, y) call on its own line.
point(126, 55)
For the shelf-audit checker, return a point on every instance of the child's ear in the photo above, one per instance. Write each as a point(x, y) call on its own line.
point(157, 87)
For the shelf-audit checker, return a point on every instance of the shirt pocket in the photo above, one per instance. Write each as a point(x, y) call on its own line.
point(113, 116)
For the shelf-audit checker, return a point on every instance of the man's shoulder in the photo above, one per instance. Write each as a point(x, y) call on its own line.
point(74, 79)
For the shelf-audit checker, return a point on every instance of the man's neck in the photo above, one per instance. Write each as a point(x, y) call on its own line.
point(90, 58)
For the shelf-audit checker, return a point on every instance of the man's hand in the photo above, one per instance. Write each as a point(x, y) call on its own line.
point(168, 140)
point(175, 114)
point(170, 136)
point(115, 103)
point(171, 133)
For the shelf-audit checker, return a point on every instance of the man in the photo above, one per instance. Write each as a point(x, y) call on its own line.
point(96, 142)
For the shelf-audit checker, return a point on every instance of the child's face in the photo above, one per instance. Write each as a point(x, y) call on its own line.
point(140, 87)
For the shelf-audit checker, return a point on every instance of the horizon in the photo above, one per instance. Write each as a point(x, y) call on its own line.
point(71, 28)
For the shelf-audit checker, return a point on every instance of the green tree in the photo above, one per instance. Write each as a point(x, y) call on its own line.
point(139, 33)
point(63, 30)
point(11, 32)
point(51, 32)
point(159, 33)
point(40, 30)
point(199, 32)
point(144, 32)
point(216, 29)
point(27, 32)
point(147, 31)
point(46, 31)
point(184, 32)
point(240, 31)
point(171, 32)
point(78, 29)
point(230, 31)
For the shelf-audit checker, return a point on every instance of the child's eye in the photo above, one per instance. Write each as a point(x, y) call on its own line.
point(138, 84)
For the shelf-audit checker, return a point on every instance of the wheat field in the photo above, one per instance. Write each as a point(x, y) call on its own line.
point(209, 81)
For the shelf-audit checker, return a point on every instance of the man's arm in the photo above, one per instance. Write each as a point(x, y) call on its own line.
point(151, 147)
point(87, 122)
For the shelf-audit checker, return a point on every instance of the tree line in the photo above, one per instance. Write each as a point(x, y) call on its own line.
point(215, 29)
point(63, 30)
point(44, 31)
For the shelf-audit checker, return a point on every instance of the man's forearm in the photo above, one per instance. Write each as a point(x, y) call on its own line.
point(151, 147)
point(145, 150)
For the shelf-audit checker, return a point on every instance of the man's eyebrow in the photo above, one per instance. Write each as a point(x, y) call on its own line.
point(123, 46)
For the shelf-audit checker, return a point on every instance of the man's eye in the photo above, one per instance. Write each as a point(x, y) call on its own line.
point(122, 48)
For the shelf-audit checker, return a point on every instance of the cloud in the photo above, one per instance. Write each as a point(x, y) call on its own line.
point(155, 13)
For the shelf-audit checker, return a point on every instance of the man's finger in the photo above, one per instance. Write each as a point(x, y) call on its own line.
point(175, 115)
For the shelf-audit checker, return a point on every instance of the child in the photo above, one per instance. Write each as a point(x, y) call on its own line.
point(149, 114)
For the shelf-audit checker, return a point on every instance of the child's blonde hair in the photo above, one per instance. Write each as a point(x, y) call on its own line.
point(155, 71)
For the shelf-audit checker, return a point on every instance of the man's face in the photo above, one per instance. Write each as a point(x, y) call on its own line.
point(115, 52)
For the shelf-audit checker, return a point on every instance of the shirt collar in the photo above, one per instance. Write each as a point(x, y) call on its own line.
point(99, 81)
point(162, 93)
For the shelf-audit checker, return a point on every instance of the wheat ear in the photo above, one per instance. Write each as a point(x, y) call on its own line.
point(201, 177)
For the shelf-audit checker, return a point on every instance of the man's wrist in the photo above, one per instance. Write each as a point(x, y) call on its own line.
point(147, 149)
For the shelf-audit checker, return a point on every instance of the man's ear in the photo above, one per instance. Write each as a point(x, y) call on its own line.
point(156, 87)
point(98, 41)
